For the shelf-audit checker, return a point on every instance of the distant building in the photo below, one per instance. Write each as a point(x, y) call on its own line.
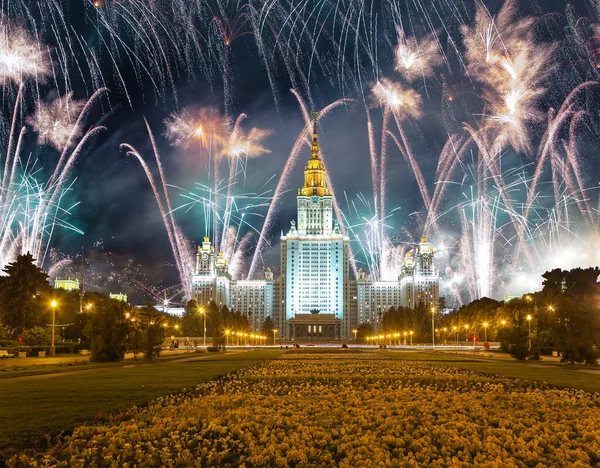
point(66, 284)
point(175, 311)
point(508, 297)
point(118, 297)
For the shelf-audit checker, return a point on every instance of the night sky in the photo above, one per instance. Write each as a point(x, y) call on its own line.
point(117, 211)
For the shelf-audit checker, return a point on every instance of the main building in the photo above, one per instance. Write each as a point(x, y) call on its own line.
point(314, 297)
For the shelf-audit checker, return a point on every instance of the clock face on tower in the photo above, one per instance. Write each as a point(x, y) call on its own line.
point(204, 256)
point(425, 257)
point(315, 199)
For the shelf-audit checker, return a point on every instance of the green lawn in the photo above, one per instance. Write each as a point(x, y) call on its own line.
point(34, 406)
point(557, 374)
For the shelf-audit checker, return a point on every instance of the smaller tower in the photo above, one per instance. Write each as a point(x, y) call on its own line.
point(205, 264)
point(269, 275)
point(221, 265)
point(408, 265)
point(424, 260)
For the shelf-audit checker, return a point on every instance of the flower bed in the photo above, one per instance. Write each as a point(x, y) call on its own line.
point(345, 410)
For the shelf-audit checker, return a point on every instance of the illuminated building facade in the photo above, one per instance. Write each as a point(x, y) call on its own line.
point(66, 284)
point(314, 298)
point(314, 257)
point(418, 283)
point(118, 296)
point(212, 282)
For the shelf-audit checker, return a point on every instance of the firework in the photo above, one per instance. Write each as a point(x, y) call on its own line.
point(511, 186)
point(203, 127)
point(416, 58)
point(55, 123)
point(21, 58)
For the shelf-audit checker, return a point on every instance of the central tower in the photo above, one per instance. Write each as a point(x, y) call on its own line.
point(314, 253)
point(315, 203)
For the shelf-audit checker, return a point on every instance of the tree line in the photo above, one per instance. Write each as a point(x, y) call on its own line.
point(107, 327)
point(563, 317)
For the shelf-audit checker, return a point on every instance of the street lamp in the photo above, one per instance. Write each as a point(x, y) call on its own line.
point(433, 327)
point(53, 304)
point(485, 325)
point(467, 334)
point(445, 330)
point(274, 333)
point(456, 331)
point(529, 334)
point(201, 311)
point(227, 337)
point(89, 306)
point(355, 331)
point(411, 334)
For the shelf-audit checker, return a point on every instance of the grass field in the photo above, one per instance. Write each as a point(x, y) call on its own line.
point(35, 406)
point(557, 374)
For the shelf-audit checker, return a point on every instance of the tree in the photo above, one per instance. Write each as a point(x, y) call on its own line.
point(192, 320)
point(573, 299)
point(514, 338)
point(577, 328)
point(148, 331)
point(36, 336)
point(364, 330)
point(267, 327)
point(23, 295)
point(107, 330)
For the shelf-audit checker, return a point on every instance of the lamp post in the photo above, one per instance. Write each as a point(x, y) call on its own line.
point(467, 334)
point(433, 327)
point(201, 311)
point(485, 325)
point(355, 331)
point(445, 335)
point(52, 347)
point(529, 334)
point(411, 334)
point(274, 333)
point(456, 331)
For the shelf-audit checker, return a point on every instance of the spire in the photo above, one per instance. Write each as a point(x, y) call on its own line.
point(315, 143)
point(314, 173)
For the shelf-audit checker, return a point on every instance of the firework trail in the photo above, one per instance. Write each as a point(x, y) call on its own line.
point(180, 246)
